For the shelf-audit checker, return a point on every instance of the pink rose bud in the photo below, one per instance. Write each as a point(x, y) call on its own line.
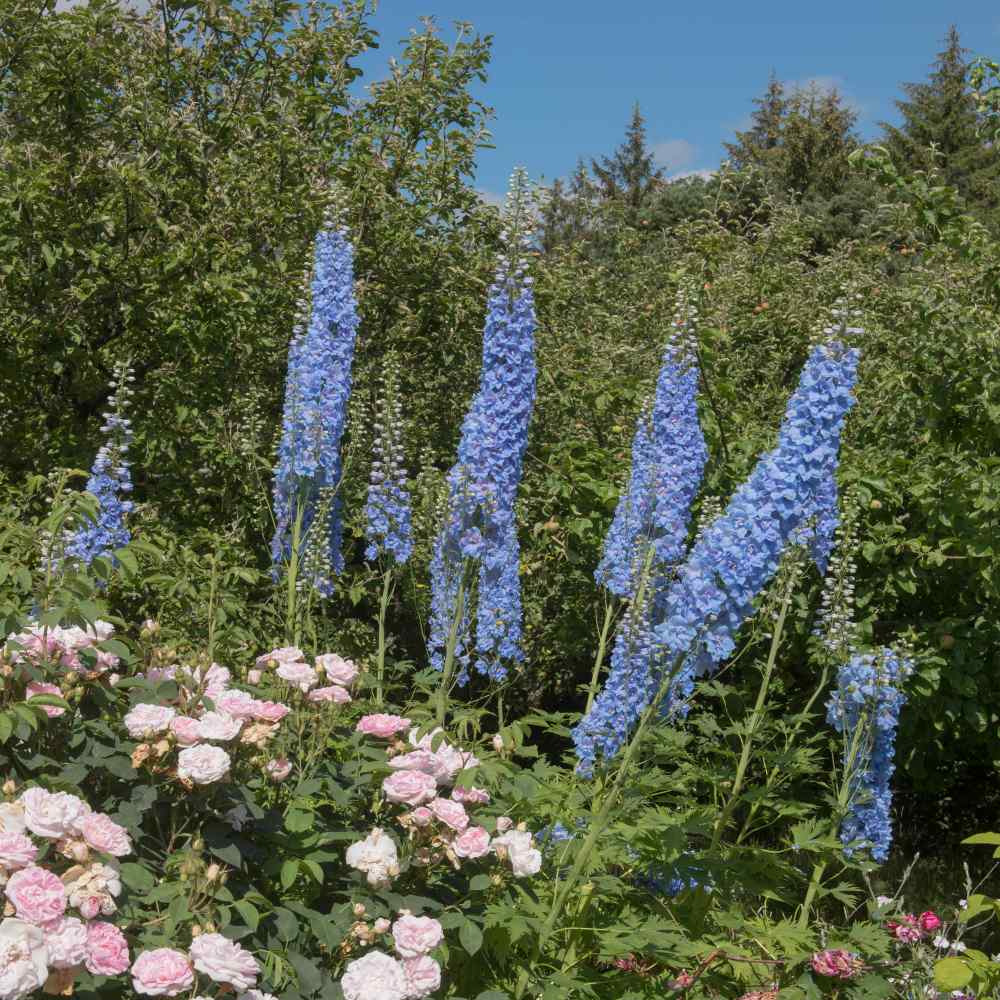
point(422, 816)
point(929, 920)
point(498, 743)
point(381, 925)
point(278, 769)
point(254, 676)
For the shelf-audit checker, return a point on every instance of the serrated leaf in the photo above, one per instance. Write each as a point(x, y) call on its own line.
point(470, 936)
point(951, 974)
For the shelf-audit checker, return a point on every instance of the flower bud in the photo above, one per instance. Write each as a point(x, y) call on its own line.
point(381, 926)
point(212, 872)
point(359, 909)
point(10, 787)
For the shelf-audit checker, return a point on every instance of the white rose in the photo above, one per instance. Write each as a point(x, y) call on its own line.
point(219, 726)
point(224, 961)
point(376, 856)
point(23, 959)
point(66, 940)
point(148, 720)
point(524, 859)
point(203, 764)
point(52, 815)
point(375, 976)
point(299, 675)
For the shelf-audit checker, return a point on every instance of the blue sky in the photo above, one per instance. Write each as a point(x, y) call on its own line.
point(564, 75)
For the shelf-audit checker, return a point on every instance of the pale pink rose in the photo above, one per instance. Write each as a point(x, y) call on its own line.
point(428, 741)
point(269, 711)
point(238, 704)
point(516, 844)
point(203, 764)
point(16, 851)
point(333, 693)
point(38, 687)
point(156, 674)
point(286, 654)
point(422, 816)
point(337, 669)
point(374, 976)
point(219, 726)
point(504, 823)
point(103, 834)
point(470, 796)
point(214, 681)
point(145, 721)
point(448, 761)
point(105, 661)
point(472, 843)
point(23, 959)
point(415, 936)
point(37, 895)
point(162, 972)
point(185, 730)
point(66, 939)
point(423, 976)
point(107, 949)
point(415, 760)
point(224, 961)
point(381, 725)
point(299, 675)
point(376, 856)
point(450, 812)
point(381, 925)
point(254, 676)
point(278, 769)
point(51, 814)
point(411, 788)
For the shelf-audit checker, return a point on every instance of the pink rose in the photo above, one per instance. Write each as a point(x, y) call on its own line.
point(220, 726)
point(185, 730)
point(411, 788)
point(286, 654)
point(238, 704)
point(16, 851)
point(52, 815)
point(450, 812)
point(224, 961)
point(337, 669)
point(37, 895)
point(334, 693)
point(470, 796)
point(23, 959)
point(423, 976)
point(837, 963)
point(269, 711)
point(203, 764)
point(102, 833)
point(66, 940)
point(472, 843)
point(381, 725)
point(299, 675)
point(39, 687)
point(162, 972)
point(374, 976)
point(415, 760)
point(929, 921)
point(422, 816)
point(278, 769)
point(145, 721)
point(107, 949)
point(416, 936)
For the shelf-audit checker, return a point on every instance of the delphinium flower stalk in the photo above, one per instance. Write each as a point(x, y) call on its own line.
point(388, 518)
point(110, 482)
point(648, 534)
point(734, 558)
point(318, 387)
point(835, 627)
point(480, 531)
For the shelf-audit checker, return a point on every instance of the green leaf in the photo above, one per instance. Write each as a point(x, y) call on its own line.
point(6, 727)
point(310, 978)
point(983, 838)
point(299, 821)
point(951, 974)
point(479, 882)
point(471, 937)
point(287, 925)
point(249, 913)
point(136, 877)
point(289, 873)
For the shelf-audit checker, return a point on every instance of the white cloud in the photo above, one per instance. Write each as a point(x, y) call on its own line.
point(705, 174)
point(674, 154)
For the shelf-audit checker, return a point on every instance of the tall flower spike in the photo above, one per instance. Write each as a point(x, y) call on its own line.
point(835, 626)
point(317, 389)
point(480, 527)
point(387, 510)
point(865, 707)
point(110, 481)
point(733, 559)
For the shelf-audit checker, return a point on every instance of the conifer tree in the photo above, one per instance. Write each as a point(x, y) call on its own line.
point(628, 175)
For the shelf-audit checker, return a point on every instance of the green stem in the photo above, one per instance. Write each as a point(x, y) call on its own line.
point(291, 608)
point(383, 608)
point(568, 885)
point(602, 646)
point(449, 653)
point(756, 717)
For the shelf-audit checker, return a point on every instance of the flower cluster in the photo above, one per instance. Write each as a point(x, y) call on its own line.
point(109, 482)
point(387, 509)
point(480, 526)
point(735, 557)
point(836, 963)
point(910, 928)
point(51, 846)
point(318, 386)
point(167, 972)
point(410, 975)
point(437, 821)
point(865, 707)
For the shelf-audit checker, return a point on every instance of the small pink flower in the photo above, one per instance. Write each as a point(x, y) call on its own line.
point(37, 895)
point(278, 769)
point(219, 726)
point(381, 925)
point(102, 833)
point(423, 976)
point(145, 721)
point(415, 760)
point(286, 654)
point(416, 936)
point(837, 963)
point(162, 972)
point(381, 725)
point(224, 961)
point(472, 843)
point(470, 796)
point(185, 730)
point(299, 675)
point(16, 851)
point(929, 921)
point(269, 711)
point(337, 669)
point(411, 788)
point(107, 949)
point(334, 693)
point(238, 704)
point(39, 687)
point(66, 940)
point(422, 816)
point(450, 812)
